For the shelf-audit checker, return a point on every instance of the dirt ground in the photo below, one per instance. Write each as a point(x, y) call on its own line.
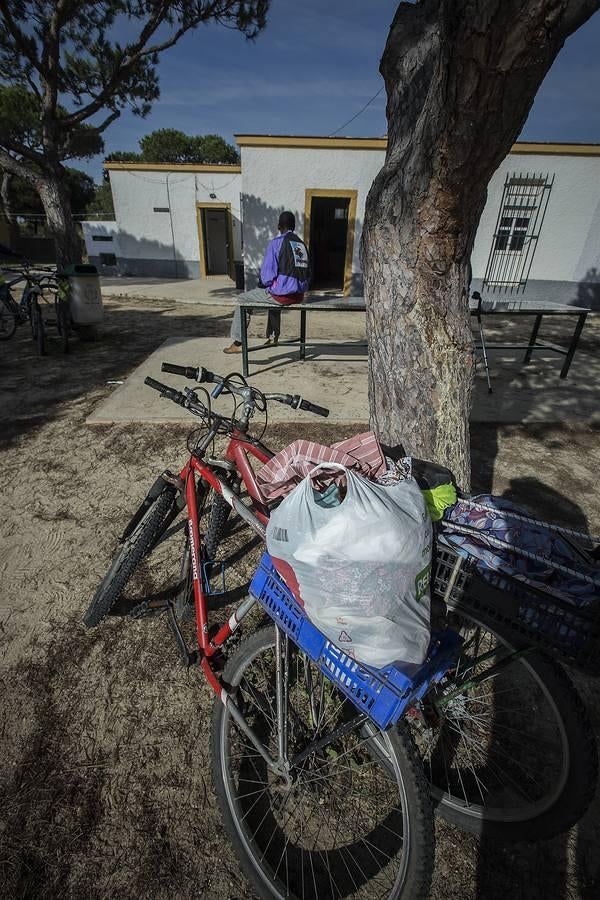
point(104, 735)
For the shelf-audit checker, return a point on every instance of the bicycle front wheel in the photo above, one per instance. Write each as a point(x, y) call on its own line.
point(512, 752)
point(353, 819)
point(129, 555)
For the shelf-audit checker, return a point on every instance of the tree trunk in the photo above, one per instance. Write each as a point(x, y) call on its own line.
point(5, 197)
point(57, 206)
point(460, 80)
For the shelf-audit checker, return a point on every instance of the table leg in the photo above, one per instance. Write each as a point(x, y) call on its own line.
point(485, 356)
point(244, 330)
point(303, 334)
point(532, 339)
point(573, 346)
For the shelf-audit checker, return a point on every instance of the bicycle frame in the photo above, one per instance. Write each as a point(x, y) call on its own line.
point(238, 452)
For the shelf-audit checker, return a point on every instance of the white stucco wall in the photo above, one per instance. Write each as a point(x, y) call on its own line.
point(569, 243)
point(275, 178)
point(169, 238)
point(93, 229)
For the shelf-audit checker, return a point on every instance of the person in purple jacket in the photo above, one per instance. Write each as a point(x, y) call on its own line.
point(284, 277)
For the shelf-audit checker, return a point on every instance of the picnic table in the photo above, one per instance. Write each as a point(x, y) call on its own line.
point(480, 309)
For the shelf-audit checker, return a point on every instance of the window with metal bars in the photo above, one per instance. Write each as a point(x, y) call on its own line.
point(518, 225)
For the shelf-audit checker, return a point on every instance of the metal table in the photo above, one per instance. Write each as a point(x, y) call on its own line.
point(481, 308)
point(317, 303)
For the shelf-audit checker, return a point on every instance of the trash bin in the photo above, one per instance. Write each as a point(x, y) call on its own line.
point(85, 299)
point(239, 275)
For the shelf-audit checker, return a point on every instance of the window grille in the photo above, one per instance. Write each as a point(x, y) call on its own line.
point(518, 226)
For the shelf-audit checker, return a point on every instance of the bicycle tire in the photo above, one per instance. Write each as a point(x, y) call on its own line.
point(63, 321)
point(567, 801)
point(8, 322)
point(40, 331)
point(215, 531)
point(217, 523)
point(184, 600)
point(33, 322)
point(129, 555)
point(321, 863)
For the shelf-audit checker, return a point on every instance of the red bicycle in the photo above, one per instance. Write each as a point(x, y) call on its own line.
point(317, 800)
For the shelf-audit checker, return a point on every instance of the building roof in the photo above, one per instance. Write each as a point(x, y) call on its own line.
point(318, 142)
point(380, 143)
point(168, 167)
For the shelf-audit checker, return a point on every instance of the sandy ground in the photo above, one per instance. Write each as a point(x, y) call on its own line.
point(104, 735)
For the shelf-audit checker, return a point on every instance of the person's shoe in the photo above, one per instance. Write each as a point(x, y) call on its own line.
point(274, 340)
point(233, 348)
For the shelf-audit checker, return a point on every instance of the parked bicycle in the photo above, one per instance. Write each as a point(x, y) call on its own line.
point(12, 313)
point(44, 302)
point(320, 799)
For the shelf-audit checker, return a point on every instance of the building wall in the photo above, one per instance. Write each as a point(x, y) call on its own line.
point(101, 237)
point(275, 178)
point(166, 244)
point(566, 263)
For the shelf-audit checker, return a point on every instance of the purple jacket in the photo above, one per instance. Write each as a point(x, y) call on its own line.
point(280, 285)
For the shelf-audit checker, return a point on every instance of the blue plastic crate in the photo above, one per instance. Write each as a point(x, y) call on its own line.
point(384, 694)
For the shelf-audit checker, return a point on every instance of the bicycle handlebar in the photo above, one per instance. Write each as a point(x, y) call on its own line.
point(194, 373)
point(165, 391)
point(202, 375)
point(310, 407)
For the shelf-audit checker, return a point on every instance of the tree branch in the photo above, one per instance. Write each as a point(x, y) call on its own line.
point(20, 169)
point(138, 51)
point(22, 150)
point(20, 40)
point(133, 57)
point(576, 13)
point(108, 121)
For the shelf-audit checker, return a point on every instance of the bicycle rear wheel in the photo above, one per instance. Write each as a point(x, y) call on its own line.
point(129, 555)
point(353, 820)
point(37, 327)
point(513, 753)
point(63, 323)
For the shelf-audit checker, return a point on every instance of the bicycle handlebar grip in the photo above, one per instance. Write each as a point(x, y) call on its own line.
point(186, 371)
point(164, 389)
point(204, 375)
point(314, 408)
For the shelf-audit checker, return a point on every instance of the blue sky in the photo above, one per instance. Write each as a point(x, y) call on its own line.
point(314, 67)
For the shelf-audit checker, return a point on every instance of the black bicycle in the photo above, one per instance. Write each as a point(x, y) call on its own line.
point(44, 291)
point(11, 312)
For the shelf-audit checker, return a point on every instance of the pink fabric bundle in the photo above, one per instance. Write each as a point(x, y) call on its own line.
point(287, 468)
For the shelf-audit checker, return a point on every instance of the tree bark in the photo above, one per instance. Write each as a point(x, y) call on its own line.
point(460, 80)
point(57, 206)
point(50, 185)
point(5, 197)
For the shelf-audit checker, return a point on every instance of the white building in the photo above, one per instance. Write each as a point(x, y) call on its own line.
point(172, 221)
point(538, 235)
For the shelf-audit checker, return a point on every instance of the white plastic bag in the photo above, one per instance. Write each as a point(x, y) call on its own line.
point(362, 568)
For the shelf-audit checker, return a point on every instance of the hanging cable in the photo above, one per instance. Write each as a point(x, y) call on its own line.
point(359, 113)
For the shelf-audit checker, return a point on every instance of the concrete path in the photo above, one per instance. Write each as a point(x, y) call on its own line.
point(217, 291)
point(336, 377)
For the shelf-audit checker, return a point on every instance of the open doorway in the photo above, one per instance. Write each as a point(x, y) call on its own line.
point(216, 239)
point(329, 233)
